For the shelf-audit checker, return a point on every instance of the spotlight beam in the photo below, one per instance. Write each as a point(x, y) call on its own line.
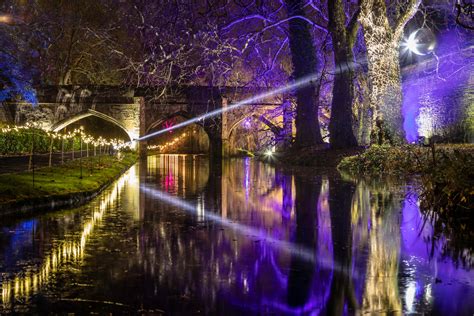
point(295, 85)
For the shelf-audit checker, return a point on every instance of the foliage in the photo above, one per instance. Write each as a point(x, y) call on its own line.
point(447, 185)
point(446, 171)
point(64, 179)
point(448, 198)
point(15, 79)
point(383, 159)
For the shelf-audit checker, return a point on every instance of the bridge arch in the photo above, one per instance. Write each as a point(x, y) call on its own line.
point(158, 122)
point(273, 134)
point(199, 141)
point(68, 121)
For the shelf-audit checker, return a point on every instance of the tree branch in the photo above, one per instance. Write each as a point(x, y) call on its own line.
point(316, 25)
point(353, 28)
point(406, 16)
point(258, 16)
point(245, 18)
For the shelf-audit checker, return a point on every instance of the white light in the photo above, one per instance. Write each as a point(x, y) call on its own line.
point(420, 42)
point(269, 153)
point(412, 43)
point(410, 295)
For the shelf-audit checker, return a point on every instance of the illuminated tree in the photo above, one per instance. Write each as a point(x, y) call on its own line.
point(15, 72)
point(175, 43)
point(59, 42)
point(281, 42)
point(382, 38)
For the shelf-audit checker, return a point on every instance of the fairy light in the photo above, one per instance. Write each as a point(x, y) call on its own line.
point(168, 144)
point(117, 144)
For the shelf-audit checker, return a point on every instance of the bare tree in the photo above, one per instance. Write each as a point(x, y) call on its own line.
point(343, 36)
point(305, 64)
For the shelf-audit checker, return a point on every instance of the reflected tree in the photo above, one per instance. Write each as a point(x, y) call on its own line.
point(301, 270)
point(381, 286)
point(342, 288)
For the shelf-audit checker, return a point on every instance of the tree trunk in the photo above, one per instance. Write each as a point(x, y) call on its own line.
point(386, 90)
point(340, 126)
point(303, 57)
point(382, 42)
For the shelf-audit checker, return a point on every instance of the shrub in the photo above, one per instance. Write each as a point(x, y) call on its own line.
point(382, 159)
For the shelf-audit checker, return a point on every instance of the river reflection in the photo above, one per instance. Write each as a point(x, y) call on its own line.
point(178, 235)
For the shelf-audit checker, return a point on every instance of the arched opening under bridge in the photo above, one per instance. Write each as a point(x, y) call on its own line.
point(190, 139)
point(254, 134)
point(95, 124)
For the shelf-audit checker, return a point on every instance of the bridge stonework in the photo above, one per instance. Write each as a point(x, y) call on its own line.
point(138, 113)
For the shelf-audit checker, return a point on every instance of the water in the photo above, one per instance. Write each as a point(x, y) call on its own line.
point(177, 235)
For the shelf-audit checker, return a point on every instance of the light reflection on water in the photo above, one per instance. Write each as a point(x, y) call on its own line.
point(25, 283)
point(366, 247)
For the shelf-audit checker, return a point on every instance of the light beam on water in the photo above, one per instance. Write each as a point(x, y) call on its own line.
point(302, 252)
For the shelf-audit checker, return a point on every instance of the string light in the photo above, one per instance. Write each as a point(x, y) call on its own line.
point(118, 144)
point(168, 144)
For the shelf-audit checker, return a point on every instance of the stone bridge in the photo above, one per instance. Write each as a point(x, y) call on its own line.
point(138, 113)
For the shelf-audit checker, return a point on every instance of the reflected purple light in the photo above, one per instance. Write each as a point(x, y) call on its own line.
point(304, 253)
point(294, 249)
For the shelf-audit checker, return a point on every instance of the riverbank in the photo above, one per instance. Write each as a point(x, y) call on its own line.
point(445, 173)
point(60, 186)
point(446, 177)
point(446, 170)
point(317, 156)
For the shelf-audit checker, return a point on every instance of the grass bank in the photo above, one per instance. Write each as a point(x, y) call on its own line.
point(60, 185)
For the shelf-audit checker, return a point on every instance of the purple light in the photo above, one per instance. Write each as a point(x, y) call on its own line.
point(411, 111)
point(295, 249)
point(247, 123)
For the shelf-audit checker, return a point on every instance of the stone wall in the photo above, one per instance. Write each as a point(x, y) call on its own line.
point(59, 106)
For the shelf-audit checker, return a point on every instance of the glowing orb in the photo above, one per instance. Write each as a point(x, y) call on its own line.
point(421, 42)
point(5, 18)
point(247, 123)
